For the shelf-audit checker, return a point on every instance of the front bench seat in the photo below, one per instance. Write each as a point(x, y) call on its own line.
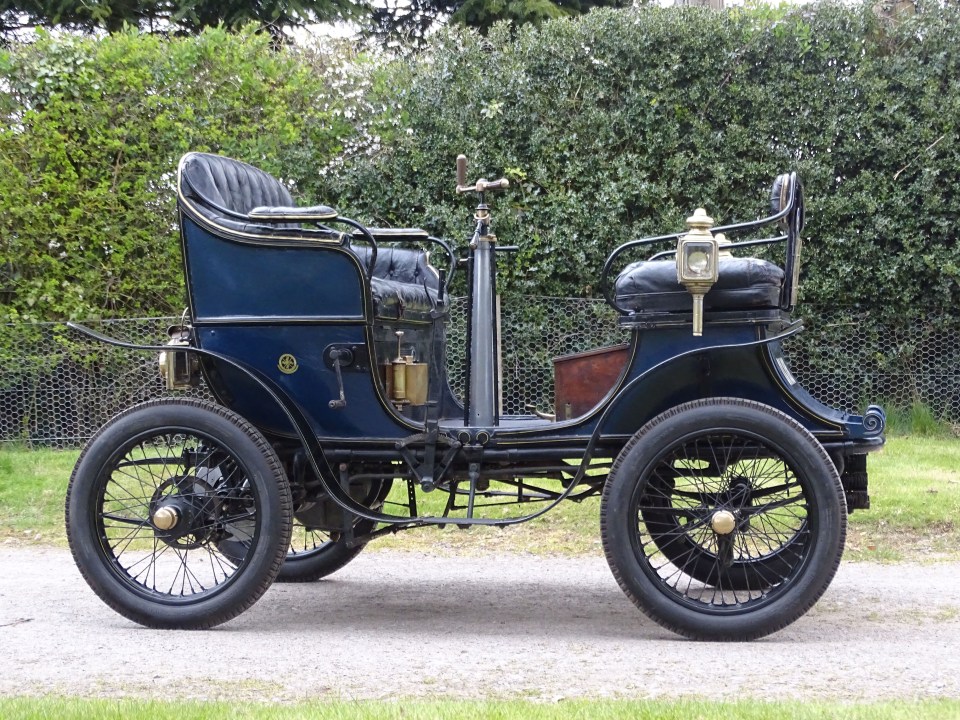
point(404, 283)
point(233, 195)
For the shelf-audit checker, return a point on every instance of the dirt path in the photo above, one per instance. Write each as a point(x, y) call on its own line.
point(398, 624)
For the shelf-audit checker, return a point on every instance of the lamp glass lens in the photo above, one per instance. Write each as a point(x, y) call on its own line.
point(696, 260)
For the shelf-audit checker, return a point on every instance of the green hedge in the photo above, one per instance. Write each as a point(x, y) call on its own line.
point(90, 134)
point(611, 126)
point(619, 124)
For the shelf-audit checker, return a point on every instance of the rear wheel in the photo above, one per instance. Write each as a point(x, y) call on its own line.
point(154, 496)
point(318, 544)
point(723, 519)
point(314, 553)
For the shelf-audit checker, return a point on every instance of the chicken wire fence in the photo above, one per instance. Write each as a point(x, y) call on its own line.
point(57, 387)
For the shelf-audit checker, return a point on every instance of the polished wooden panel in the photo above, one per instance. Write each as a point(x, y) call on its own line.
point(583, 379)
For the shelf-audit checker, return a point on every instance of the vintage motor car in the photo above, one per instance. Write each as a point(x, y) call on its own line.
point(724, 485)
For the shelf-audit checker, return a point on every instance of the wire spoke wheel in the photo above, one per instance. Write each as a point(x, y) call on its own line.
point(315, 553)
point(723, 519)
point(726, 510)
point(155, 498)
point(316, 549)
point(306, 541)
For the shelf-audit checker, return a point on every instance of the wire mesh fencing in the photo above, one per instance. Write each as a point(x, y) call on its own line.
point(846, 359)
point(57, 387)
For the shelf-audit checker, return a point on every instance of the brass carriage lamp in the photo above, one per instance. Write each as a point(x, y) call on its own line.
point(697, 265)
point(179, 369)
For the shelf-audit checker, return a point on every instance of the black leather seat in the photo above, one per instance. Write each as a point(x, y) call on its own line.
point(236, 196)
point(651, 287)
point(225, 190)
point(404, 284)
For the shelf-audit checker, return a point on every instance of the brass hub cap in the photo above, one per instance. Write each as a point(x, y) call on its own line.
point(165, 518)
point(723, 522)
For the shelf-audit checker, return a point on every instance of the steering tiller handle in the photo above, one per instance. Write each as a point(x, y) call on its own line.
point(489, 185)
point(482, 185)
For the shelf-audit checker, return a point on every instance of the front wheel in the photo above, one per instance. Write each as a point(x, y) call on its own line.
point(723, 519)
point(156, 494)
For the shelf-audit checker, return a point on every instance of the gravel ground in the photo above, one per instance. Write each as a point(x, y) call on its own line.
point(402, 624)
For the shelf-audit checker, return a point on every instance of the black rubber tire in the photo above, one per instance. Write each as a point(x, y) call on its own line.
point(315, 554)
point(309, 565)
point(240, 473)
point(683, 598)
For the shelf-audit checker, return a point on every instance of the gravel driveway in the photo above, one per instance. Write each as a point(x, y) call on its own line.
point(403, 624)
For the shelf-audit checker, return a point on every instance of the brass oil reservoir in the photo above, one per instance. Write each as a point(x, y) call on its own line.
point(406, 380)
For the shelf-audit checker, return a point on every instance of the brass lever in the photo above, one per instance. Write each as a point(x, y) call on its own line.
point(482, 185)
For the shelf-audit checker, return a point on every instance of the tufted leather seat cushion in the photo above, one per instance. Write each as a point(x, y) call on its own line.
point(212, 184)
point(403, 285)
point(401, 301)
point(744, 284)
point(400, 264)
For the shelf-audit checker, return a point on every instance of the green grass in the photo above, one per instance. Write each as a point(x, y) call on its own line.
point(914, 488)
point(75, 709)
point(915, 502)
point(33, 486)
point(917, 420)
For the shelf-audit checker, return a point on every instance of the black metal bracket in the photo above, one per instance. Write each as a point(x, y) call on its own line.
point(351, 357)
point(426, 473)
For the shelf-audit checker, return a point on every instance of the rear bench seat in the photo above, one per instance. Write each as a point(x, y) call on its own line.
point(225, 191)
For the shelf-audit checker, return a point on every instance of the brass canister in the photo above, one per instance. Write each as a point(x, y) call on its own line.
point(406, 381)
point(417, 382)
point(400, 380)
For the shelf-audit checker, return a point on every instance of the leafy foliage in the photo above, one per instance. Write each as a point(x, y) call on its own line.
point(182, 16)
point(394, 22)
point(619, 124)
point(408, 22)
point(90, 134)
point(611, 126)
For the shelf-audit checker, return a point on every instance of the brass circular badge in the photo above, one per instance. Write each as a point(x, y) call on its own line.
point(287, 364)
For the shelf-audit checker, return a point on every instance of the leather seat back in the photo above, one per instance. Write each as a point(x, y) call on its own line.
point(743, 284)
point(400, 264)
point(221, 188)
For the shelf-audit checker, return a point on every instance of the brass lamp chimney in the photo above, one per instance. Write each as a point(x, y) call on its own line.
point(697, 263)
